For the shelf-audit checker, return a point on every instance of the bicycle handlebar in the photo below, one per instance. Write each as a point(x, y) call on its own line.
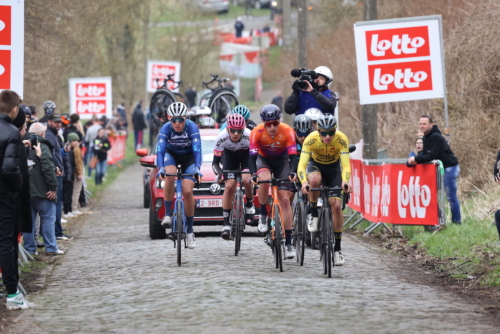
point(236, 171)
point(323, 188)
point(196, 182)
point(269, 181)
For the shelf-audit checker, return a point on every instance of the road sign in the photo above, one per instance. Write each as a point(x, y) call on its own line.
point(400, 59)
point(12, 45)
point(159, 70)
point(91, 96)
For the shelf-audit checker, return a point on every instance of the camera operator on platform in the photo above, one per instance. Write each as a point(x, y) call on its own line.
point(311, 91)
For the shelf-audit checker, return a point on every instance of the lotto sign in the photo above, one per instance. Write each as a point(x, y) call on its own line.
point(12, 45)
point(157, 71)
point(400, 59)
point(90, 96)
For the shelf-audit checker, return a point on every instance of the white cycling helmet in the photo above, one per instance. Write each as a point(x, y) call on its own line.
point(177, 109)
point(325, 71)
point(203, 111)
point(314, 114)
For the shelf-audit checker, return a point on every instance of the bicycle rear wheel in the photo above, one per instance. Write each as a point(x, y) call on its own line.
point(278, 238)
point(180, 231)
point(222, 103)
point(160, 101)
point(297, 231)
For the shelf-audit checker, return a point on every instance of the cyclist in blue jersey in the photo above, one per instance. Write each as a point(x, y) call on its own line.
point(179, 143)
point(243, 111)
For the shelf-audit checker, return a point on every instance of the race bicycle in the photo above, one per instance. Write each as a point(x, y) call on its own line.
point(237, 217)
point(221, 100)
point(162, 98)
point(325, 231)
point(179, 226)
point(276, 233)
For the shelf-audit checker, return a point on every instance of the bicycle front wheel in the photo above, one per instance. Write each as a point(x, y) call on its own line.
point(326, 241)
point(179, 222)
point(299, 236)
point(237, 218)
point(278, 238)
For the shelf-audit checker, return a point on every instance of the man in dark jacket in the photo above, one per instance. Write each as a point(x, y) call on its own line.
point(10, 184)
point(74, 118)
point(139, 124)
point(238, 26)
point(52, 135)
point(190, 94)
point(43, 190)
point(437, 148)
point(122, 112)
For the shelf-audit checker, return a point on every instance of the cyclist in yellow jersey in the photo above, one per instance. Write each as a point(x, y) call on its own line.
point(325, 156)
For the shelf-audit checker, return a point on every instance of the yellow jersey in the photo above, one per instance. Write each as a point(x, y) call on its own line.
point(314, 148)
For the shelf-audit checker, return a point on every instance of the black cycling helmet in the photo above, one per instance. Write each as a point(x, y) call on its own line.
point(302, 124)
point(270, 112)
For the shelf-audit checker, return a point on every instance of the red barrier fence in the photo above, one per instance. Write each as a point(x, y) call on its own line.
point(117, 152)
point(396, 194)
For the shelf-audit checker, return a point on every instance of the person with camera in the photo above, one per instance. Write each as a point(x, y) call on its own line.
point(43, 190)
point(311, 91)
point(325, 157)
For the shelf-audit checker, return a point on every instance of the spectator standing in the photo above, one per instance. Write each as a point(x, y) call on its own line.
point(437, 148)
point(238, 27)
point(122, 112)
point(52, 135)
point(419, 147)
point(190, 94)
point(72, 128)
point(139, 124)
point(68, 178)
point(78, 172)
point(43, 190)
point(33, 113)
point(101, 148)
point(278, 100)
point(10, 184)
point(50, 108)
point(90, 135)
point(26, 112)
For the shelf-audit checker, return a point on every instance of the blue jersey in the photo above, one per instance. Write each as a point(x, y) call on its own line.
point(307, 101)
point(181, 143)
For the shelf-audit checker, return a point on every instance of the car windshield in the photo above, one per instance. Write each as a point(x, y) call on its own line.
point(207, 146)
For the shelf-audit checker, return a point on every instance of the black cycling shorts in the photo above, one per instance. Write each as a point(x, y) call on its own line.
point(232, 160)
point(330, 174)
point(280, 168)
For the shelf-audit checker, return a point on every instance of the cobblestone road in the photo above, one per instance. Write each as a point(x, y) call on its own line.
point(115, 279)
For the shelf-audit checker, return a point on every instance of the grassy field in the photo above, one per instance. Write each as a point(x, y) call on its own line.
point(470, 251)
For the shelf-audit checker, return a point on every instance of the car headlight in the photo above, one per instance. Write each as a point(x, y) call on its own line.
point(159, 184)
point(274, 3)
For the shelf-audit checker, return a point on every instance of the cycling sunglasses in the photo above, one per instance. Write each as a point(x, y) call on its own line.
point(327, 133)
point(178, 120)
point(236, 131)
point(274, 123)
point(302, 134)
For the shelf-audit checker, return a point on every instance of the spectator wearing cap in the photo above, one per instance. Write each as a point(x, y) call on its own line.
point(10, 184)
point(90, 136)
point(43, 190)
point(33, 112)
point(101, 148)
point(26, 112)
point(52, 134)
point(139, 124)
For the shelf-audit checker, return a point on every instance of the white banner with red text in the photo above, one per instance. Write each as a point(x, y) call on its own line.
point(12, 45)
point(158, 71)
point(91, 96)
point(395, 194)
point(117, 151)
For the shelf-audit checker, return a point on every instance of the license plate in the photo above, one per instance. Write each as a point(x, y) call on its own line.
point(209, 203)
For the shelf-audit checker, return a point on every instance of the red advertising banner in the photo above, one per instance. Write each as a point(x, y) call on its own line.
point(117, 152)
point(395, 194)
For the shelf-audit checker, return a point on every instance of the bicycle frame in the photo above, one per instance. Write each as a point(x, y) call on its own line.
point(274, 190)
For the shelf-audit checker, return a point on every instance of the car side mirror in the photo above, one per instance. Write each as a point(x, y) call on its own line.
point(148, 161)
point(142, 152)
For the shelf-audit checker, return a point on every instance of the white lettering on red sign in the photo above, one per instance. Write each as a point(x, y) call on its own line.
point(356, 185)
point(416, 196)
point(397, 43)
point(375, 194)
point(386, 195)
point(400, 77)
point(90, 107)
point(162, 70)
point(366, 193)
point(91, 90)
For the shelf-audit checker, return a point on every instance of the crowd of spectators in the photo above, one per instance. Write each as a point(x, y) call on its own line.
point(42, 179)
